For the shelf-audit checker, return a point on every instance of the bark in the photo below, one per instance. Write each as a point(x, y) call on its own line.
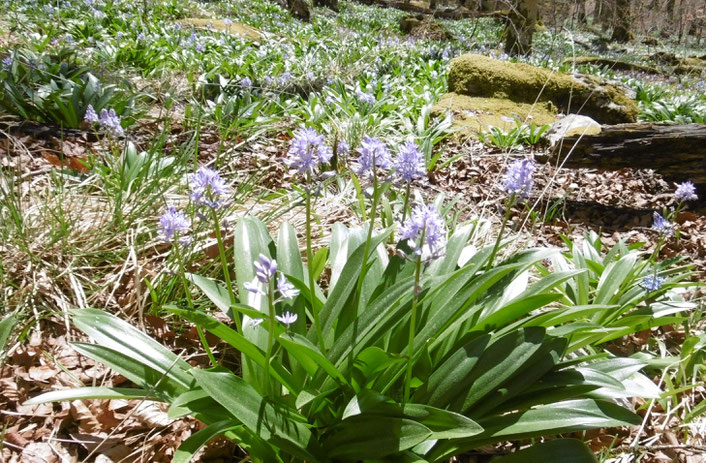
point(678, 152)
point(623, 19)
point(520, 28)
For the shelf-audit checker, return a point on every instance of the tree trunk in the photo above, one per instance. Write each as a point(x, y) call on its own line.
point(520, 28)
point(299, 9)
point(333, 4)
point(623, 20)
point(678, 152)
point(606, 12)
point(581, 12)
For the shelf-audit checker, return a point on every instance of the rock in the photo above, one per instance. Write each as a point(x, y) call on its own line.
point(573, 124)
point(477, 75)
point(407, 23)
point(615, 65)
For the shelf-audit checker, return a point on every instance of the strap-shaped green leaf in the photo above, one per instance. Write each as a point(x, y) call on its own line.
point(309, 356)
point(88, 393)
point(559, 450)
point(272, 422)
point(193, 444)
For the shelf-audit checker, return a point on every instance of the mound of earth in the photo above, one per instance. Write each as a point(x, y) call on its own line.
point(480, 76)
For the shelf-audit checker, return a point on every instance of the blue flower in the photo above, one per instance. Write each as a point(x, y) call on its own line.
point(206, 186)
point(366, 98)
point(685, 192)
point(173, 223)
point(410, 164)
point(285, 288)
point(111, 122)
point(662, 225)
point(90, 115)
point(287, 318)
point(265, 269)
point(228, 22)
point(7, 62)
point(307, 151)
point(285, 78)
point(342, 147)
point(373, 155)
point(519, 177)
point(245, 82)
point(425, 222)
point(653, 282)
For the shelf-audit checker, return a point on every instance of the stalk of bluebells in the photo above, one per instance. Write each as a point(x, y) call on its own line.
point(662, 225)
point(286, 318)
point(685, 192)
point(653, 282)
point(342, 148)
point(409, 165)
point(365, 98)
point(373, 155)
point(519, 178)
point(307, 151)
point(107, 119)
point(206, 187)
point(425, 232)
point(173, 224)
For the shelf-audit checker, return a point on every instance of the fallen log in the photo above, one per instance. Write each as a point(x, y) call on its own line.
point(678, 152)
point(442, 13)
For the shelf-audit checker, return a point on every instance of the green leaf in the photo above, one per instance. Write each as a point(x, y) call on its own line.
point(88, 393)
point(215, 292)
point(559, 450)
point(272, 422)
point(373, 436)
point(5, 329)
point(193, 444)
point(613, 278)
point(309, 356)
point(319, 262)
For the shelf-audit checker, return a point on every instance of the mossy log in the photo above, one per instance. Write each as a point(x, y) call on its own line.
point(678, 152)
point(442, 13)
point(478, 75)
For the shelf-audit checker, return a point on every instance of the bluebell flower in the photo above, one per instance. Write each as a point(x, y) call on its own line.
point(141, 36)
point(686, 192)
point(653, 282)
point(410, 164)
point(366, 98)
point(90, 115)
point(110, 121)
point(7, 62)
point(173, 223)
point(285, 288)
point(228, 22)
point(200, 47)
point(342, 148)
point(662, 225)
point(287, 318)
point(307, 151)
point(373, 155)
point(245, 82)
point(519, 177)
point(285, 78)
point(265, 269)
point(207, 186)
point(425, 221)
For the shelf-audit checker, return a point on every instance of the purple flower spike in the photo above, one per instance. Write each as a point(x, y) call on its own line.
point(425, 220)
point(519, 177)
point(686, 192)
point(653, 283)
point(265, 269)
point(253, 287)
point(373, 154)
point(342, 147)
point(662, 225)
point(410, 164)
point(307, 151)
point(287, 318)
point(91, 116)
point(206, 186)
point(173, 223)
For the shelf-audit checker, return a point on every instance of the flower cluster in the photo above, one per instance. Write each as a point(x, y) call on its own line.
point(7, 62)
point(519, 178)
point(686, 192)
point(425, 224)
point(206, 187)
point(245, 82)
point(662, 225)
point(409, 164)
point(108, 119)
point(342, 148)
point(373, 155)
point(653, 282)
point(365, 98)
point(307, 151)
point(173, 223)
point(265, 271)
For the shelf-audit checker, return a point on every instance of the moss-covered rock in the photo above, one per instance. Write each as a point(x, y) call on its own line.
point(611, 63)
point(477, 75)
point(477, 114)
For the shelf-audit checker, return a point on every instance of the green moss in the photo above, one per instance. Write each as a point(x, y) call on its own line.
point(474, 114)
point(476, 75)
point(613, 64)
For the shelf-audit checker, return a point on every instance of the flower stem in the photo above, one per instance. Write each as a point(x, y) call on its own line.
point(270, 336)
point(406, 200)
point(412, 326)
point(508, 207)
point(310, 267)
point(190, 302)
point(226, 272)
